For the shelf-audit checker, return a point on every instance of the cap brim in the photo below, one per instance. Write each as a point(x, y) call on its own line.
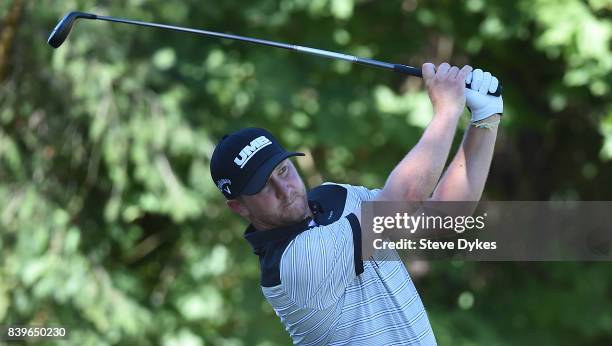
point(259, 180)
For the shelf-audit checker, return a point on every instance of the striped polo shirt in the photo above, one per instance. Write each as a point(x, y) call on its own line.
point(313, 276)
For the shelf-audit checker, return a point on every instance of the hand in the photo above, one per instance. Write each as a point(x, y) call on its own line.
point(445, 87)
point(480, 104)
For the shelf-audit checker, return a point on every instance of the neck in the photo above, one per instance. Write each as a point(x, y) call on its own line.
point(265, 226)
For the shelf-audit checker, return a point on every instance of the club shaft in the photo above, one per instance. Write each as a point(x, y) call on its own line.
point(307, 50)
point(404, 69)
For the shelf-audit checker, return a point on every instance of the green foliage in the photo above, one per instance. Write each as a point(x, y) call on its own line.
point(110, 224)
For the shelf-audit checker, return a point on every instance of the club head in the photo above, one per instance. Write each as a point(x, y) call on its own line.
point(62, 29)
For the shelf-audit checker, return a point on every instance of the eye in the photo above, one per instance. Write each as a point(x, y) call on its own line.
point(283, 170)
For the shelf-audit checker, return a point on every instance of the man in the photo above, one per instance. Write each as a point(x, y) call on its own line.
point(326, 288)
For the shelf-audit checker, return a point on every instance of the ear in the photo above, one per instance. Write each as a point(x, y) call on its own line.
point(238, 207)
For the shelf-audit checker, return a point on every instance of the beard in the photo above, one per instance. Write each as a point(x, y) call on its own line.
point(276, 213)
point(294, 210)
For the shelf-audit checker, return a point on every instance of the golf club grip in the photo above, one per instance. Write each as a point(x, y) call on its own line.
point(413, 71)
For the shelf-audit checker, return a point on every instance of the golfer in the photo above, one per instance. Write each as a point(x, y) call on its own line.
point(326, 288)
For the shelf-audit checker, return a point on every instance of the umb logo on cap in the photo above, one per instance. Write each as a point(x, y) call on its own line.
point(250, 150)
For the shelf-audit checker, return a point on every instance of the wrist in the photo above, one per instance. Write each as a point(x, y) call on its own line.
point(448, 112)
point(490, 122)
point(493, 117)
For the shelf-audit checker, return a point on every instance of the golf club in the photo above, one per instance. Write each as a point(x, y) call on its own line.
point(62, 29)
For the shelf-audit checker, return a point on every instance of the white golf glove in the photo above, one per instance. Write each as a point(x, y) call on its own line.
point(478, 102)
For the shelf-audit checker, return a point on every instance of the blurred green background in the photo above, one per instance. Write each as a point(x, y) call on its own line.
point(111, 226)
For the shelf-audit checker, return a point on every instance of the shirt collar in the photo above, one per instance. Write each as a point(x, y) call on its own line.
point(259, 239)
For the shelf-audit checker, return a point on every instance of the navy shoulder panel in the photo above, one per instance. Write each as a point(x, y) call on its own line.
point(327, 203)
point(270, 263)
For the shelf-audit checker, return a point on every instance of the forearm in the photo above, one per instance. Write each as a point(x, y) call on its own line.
point(465, 177)
point(415, 177)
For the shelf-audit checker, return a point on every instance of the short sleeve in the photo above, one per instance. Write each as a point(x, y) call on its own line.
point(320, 263)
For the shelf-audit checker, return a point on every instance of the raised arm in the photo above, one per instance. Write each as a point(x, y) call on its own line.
point(415, 177)
point(465, 177)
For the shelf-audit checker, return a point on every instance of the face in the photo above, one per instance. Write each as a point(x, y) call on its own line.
point(281, 202)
